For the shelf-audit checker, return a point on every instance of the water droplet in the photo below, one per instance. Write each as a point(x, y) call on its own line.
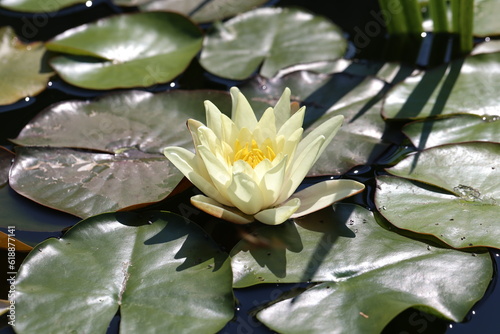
point(473, 312)
point(462, 238)
point(172, 84)
point(88, 3)
point(27, 98)
point(383, 208)
point(49, 83)
point(428, 247)
point(487, 39)
point(356, 171)
point(471, 245)
point(474, 254)
point(263, 87)
point(355, 230)
point(423, 34)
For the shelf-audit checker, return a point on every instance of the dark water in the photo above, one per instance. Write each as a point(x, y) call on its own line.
point(363, 26)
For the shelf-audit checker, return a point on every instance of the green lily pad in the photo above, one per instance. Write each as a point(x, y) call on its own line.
point(451, 192)
point(197, 10)
point(467, 86)
point(85, 183)
point(6, 158)
point(485, 18)
point(36, 6)
point(275, 38)
point(359, 140)
point(23, 65)
point(140, 49)
point(370, 274)
point(157, 269)
point(463, 128)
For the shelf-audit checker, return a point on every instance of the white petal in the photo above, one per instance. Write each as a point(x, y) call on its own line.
point(193, 126)
point(218, 171)
point(323, 194)
point(242, 113)
point(265, 128)
point(245, 194)
point(293, 123)
point(298, 169)
point(327, 129)
point(282, 109)
point(272, 183)
point(279, 214)
point(214, 119)
point(218, 210)
point(187, 163)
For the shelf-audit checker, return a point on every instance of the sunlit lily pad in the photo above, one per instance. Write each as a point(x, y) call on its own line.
point(140, 49)
point(370, 274)
point(22, 64)
point(275, 38)
point(458, 200)
point(198, 10)
point(491, 46)
point(156, 269)
point(6, 158)
point(36, 6)
point(467, 86)
point(463, 128)
point(485, 18)
point(359, 140)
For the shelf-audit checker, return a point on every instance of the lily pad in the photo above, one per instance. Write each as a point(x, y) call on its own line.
point(85, 183)
point(197, 10)
point(36, 6)
point(370, 274)
point(157, 269)
point(359, 140)
point(23, 64)
point(485, 19)
point(6, 158)
point(275, 38)
point(463, 128)
point(464, 86)
point(140, 49)
point(132, 127)
point(451, 192)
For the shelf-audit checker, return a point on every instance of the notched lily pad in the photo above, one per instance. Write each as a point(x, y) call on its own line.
point(456, 196)
point(24, 65)
point(140, 49)
point(275, 38)
point(370, 274)
point(132, 127)
point(464, 86)
point(458, 129)
point(135, 263)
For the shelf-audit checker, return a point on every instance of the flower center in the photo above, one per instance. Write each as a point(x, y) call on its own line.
point(253, 155)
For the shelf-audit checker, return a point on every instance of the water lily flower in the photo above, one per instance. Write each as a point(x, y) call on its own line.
point(249, 169)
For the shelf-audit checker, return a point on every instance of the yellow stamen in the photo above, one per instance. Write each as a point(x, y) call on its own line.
point(254, 155)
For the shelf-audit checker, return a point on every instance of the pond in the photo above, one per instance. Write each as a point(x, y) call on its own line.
point(406, 105)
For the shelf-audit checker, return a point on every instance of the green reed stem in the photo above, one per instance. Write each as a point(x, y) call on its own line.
point(437, 9)
point(394, 17)
point(413, 16)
